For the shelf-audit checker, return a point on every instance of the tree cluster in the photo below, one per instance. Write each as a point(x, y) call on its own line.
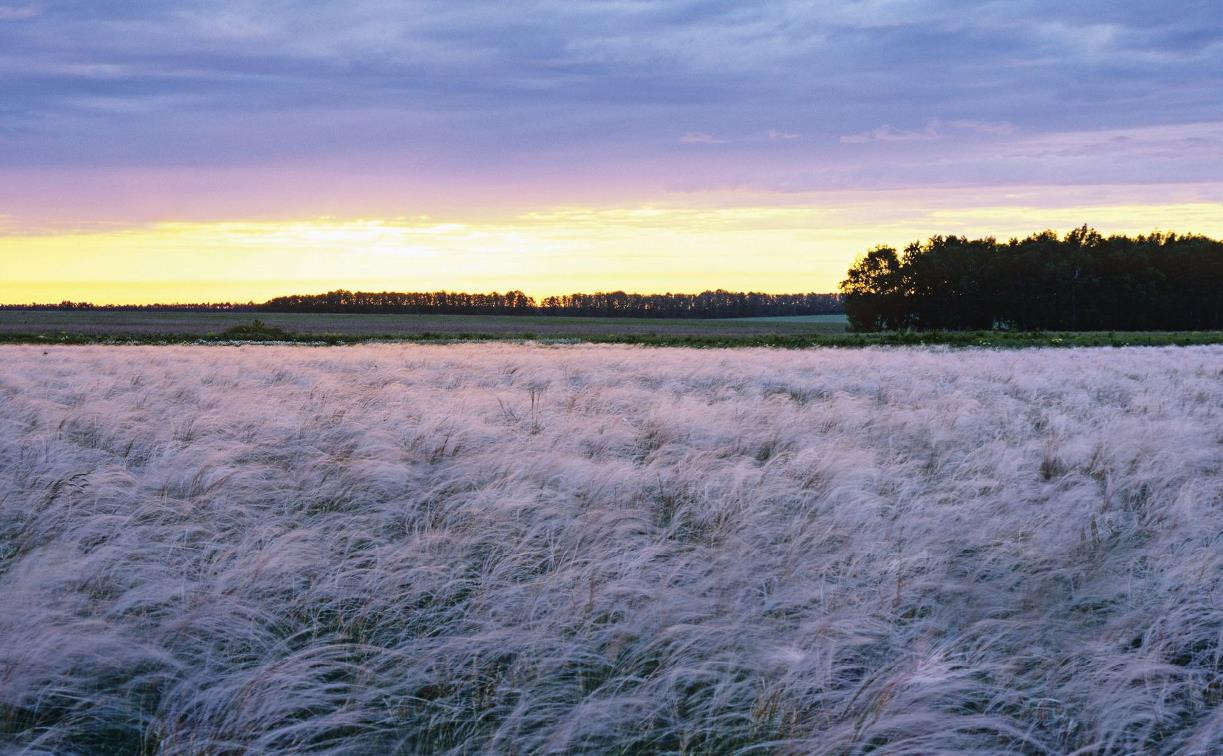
point(707, 304)
point(69, 305)
point(616, 304)
point(442, 302)
point(1082, 281)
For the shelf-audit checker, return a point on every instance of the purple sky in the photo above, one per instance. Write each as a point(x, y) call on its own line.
point(122, 113)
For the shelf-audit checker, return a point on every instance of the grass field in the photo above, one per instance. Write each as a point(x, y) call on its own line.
point(514, 548)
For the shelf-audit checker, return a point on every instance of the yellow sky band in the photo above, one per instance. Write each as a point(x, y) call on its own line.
point(642, 248)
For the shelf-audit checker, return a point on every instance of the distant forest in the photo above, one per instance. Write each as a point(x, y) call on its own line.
point(1080, 282)
point(616, 304)
point(174, 307)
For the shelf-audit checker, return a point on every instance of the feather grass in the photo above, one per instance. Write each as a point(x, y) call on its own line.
point(517, 548)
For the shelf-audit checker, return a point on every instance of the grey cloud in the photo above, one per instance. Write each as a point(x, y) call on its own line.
point(548, 85)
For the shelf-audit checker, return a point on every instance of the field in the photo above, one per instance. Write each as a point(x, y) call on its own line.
point(102, 323)
point(502, 547)
point(92, 327)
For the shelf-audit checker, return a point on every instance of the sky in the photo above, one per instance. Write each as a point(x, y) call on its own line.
point(240, 149)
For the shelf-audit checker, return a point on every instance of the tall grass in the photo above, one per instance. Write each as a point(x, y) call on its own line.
point(509, 548)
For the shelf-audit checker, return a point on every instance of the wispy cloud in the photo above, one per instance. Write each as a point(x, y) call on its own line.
point(1203, 141)
point(934, 129)
point(19, 12)
point(772, 135)
point(583, 94)
point(700, 137)
point(998, 128)
point(888, 133)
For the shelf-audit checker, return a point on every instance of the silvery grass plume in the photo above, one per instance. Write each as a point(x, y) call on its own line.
point(532, 549)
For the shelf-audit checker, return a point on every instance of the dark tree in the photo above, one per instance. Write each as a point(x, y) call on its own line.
point(874, 292)
point(1082, 281)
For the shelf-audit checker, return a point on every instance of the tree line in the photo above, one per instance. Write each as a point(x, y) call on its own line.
point(707, 304)
point(418, 302)
point(168, 307)
point(1082, 281)
point(615, 304)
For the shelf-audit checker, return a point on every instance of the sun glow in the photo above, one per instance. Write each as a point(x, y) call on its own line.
point(562, 249)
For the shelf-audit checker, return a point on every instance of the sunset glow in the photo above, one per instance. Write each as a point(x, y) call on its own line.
point(645, 248)
point(226, 151)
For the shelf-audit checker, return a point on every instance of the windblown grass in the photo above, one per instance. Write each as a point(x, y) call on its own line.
point(499, 547)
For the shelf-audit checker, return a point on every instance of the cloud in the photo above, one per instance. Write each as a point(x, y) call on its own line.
point(19, 12)
point(1194, 141)
point(887, 133)
point(934, 129)
point(549, 88)
point(772, 135)
point(983, 127)
point(700, 137)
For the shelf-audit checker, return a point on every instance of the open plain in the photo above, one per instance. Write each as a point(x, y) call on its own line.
point(103, 324)
point(527, 548)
